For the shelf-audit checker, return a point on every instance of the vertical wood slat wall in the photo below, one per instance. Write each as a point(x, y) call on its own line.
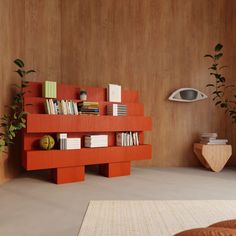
point(153, 46)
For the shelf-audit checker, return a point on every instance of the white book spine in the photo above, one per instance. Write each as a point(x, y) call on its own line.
point(137, 137)
point(48, 107)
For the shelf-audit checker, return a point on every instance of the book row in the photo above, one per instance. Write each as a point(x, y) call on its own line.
point(65, 107)
point(127, 138)
point(69, 107)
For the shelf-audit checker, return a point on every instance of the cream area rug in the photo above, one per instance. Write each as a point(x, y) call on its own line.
point(152, 218)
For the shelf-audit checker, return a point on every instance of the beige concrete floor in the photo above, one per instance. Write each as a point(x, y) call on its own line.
point(31, 205)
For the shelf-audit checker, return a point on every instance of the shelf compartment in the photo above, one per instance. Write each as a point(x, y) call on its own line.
point(65, 91)
point(133, 109)
point(42, 123)
point(36, 160)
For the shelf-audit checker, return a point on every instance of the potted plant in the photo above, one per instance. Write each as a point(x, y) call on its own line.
point(222, 95)
point(14, 120)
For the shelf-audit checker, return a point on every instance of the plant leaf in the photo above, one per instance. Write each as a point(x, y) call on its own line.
point(2, 142)
point(23, 113)
point(30, 71)
point(12, 128)
point(222, 79)
point(222, 67)
point(218, 56)
point(218, 47)
point(19, 63)
point(20, 72)
point(223, 104)
point(17, 86)
point(23, 125)
point(210, 85)
point(208, 55)
point(212, 68)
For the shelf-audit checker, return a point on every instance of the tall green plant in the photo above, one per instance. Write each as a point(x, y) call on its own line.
point(221, 95)
point(14, 120)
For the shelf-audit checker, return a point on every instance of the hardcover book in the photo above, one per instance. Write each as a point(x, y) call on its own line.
point(114, 93)
point(49, 89)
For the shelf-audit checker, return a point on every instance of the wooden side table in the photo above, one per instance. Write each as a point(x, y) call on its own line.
point(213, 156)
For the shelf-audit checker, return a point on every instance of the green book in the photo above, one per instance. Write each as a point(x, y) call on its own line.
point(49, 89)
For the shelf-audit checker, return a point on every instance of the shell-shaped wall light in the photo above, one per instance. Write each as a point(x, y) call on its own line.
point(187, 95)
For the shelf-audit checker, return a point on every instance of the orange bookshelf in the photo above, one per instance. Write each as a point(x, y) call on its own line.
point(68, 165)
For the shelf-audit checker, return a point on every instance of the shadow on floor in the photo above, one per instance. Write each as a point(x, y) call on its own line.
point(46, 175)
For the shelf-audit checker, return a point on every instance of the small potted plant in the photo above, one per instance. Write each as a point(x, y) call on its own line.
point(83, 95)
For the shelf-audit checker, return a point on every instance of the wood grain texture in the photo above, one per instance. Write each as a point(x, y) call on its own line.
point(29, 30)
point(43, 38)
point(213, 157)
point(153, 46)
point(11, 46)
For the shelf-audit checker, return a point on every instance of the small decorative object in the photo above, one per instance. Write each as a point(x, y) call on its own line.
point(49, 89)
point(83, 95)
point(47, 142)
point(213, 157)
point(187, 95)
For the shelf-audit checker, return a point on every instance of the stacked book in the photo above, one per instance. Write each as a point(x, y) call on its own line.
point(127, 139)
point(88, 108)
point(211, 138)
point(117, 110)
point(93, 141)
point(63, 107)
point(66, 143)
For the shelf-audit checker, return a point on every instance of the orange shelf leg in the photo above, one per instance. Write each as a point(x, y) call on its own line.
point(68, 174)
point(115, 169)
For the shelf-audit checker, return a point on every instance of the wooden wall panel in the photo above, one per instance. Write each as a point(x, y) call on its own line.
point(11, 47)
point(229, 59)
point(29, 30)
point(154, 46)
point(43, 38)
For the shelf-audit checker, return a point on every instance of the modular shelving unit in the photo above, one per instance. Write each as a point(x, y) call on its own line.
point(69, 165)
